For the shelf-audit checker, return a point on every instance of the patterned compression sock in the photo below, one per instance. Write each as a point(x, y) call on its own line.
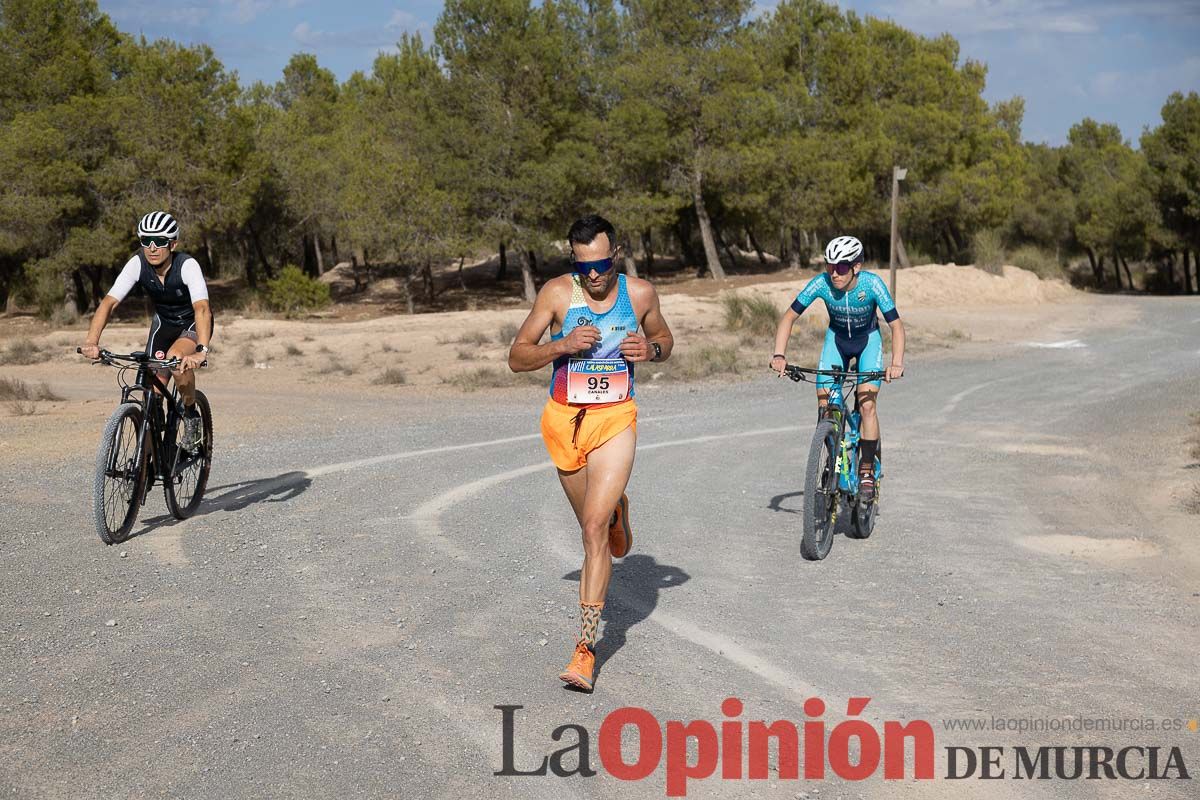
point(589, 622)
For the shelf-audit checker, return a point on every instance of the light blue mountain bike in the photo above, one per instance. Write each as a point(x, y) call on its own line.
point(831, 477)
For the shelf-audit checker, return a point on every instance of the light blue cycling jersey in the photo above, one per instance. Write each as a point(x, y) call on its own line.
point(852, 312)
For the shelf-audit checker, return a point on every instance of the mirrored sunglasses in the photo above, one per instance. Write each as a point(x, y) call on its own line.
point(601, 266)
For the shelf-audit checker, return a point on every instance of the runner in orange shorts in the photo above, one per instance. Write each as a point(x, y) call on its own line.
point(601, 323)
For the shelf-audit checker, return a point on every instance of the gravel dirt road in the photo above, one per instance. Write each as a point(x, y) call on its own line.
point(369, 578)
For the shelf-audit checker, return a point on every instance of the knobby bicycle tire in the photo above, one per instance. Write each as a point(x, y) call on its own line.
point(111, 494)
point(820, 493)
point(200, 463)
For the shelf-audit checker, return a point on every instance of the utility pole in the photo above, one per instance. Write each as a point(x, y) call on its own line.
point(898, 175)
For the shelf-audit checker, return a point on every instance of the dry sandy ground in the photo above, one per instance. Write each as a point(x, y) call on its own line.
point(268, 366)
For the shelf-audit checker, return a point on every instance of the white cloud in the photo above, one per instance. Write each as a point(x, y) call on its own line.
point(402, 20)
point(1158, 82)
point(244, 11)
point(371, 39)
point(152, 17)
point(966, 17)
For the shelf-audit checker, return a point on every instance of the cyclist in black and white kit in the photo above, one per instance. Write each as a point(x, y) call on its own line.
point(183, 321)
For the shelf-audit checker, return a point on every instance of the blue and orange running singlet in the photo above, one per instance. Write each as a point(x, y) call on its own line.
point(601, 374)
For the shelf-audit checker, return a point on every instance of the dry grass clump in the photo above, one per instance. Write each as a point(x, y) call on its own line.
point(752, 314)
point(1194, 441)
point(392, 376)
point(476, 338)
point(331, 367)
point(1192, 504)
point(705, 361)
point(472, 380)
point(22, 397)
point(21, 353)
point(507, 332)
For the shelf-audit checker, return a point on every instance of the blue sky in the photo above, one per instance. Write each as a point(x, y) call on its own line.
point(1112, 60)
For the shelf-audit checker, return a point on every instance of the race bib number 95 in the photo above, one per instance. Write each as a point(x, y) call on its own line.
point(597, 380)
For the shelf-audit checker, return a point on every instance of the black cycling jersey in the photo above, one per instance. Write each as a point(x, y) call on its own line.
point(171, 298)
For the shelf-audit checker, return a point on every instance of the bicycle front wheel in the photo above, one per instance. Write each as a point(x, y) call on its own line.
point(188, 463)
point(120, 477)
point(820, 493)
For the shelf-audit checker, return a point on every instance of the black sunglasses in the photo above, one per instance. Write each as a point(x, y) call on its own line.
point(841, 269)
point(156, 241)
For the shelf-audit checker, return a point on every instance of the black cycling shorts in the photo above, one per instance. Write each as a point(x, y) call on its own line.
point(163, 335)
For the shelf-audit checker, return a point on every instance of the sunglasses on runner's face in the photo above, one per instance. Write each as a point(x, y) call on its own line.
point(601, 266)
point(156, 241)
point(841, 269)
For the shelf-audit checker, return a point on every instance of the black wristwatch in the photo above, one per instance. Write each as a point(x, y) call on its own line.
point(202, 348)
point(657, 351)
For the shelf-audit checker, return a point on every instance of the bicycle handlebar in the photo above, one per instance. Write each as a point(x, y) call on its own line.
point(839, 375)
point(139, 357)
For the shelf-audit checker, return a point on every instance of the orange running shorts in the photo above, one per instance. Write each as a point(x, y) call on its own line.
point(571, 432)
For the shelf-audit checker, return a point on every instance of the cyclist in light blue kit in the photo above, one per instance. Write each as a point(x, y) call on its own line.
point(853, 299)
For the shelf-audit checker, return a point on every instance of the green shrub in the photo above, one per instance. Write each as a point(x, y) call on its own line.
point(916, 256)
point(988, 250)
point(294, 292)
point(1037, 261)
point(753, 314)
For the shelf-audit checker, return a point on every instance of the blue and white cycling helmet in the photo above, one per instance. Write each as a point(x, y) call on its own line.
point(843, 249)
point(158, 223)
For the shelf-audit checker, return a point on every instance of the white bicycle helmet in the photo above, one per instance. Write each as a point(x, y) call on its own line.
point(158, 223)
point(843, 249)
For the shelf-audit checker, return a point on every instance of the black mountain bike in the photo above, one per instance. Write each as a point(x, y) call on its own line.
point(831, 477)
point(144, 442)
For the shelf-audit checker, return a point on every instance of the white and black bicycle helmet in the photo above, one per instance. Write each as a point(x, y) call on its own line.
point(843, 249)
point(158, 223)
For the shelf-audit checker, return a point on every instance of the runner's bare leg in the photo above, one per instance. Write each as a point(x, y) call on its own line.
point(609, 467)
point(574, 484)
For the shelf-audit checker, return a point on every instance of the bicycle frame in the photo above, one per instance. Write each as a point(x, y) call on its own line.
point(154, 424)
point(152, 434)
point(846, 425)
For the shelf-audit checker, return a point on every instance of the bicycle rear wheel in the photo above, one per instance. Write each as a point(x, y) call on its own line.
point(187, 472)
point(820, 493)
point(120, 476)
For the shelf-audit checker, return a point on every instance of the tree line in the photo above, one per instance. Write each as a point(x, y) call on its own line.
point(695, 125)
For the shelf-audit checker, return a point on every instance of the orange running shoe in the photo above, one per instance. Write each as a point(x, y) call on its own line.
point(579, 672)
point(620, 536)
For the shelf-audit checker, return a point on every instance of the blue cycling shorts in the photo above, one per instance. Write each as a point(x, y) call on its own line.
point(867, 351)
